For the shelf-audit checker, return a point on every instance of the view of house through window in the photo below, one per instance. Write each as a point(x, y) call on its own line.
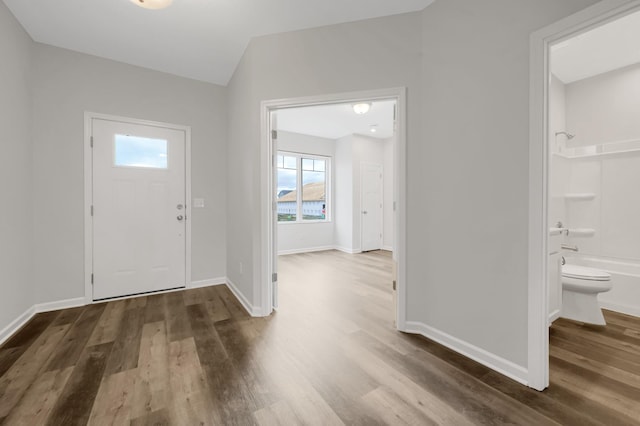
point(302, 187)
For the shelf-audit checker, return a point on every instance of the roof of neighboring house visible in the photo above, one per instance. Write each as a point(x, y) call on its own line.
point(311, 192)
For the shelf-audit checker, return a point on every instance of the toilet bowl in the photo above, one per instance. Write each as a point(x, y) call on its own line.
point(580, 288)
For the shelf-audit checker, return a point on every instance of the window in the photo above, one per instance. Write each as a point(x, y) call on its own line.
point(135, 151)
point(302, 187)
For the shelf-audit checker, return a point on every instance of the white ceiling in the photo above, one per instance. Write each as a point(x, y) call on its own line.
point(606, 48)
point(336, 121)
point(199, 39)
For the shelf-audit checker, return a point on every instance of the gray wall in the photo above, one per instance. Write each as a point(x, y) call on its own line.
point(16, 230)
point(66, 84)
point(468, 82)
point(468, 179)
point(371, 54)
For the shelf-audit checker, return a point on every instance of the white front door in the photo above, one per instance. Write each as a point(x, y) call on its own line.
point(139, 208)
point(371, 208)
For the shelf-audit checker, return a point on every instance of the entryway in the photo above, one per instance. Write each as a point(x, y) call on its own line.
point(138, 207)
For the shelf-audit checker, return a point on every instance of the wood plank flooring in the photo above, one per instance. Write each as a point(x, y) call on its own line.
point(328, 356)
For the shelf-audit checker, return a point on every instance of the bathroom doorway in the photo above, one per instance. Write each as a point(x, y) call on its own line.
point(583, 151)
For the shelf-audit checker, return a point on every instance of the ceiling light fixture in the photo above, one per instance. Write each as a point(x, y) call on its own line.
point(361, 107)
point(153, 4)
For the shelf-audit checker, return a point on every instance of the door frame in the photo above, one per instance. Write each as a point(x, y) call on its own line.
point(88, 193)
point(267, 193)
point(381, 224)
point(540, 44)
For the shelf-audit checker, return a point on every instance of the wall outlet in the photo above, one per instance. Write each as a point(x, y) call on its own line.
point(198, 203)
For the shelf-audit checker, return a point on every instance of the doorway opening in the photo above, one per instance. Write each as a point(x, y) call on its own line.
point(334, 189)
point(564, 216)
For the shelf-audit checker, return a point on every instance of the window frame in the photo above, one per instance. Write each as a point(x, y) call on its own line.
point(327, 173)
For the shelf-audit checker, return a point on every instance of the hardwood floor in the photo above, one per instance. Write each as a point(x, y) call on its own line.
point(329, 355)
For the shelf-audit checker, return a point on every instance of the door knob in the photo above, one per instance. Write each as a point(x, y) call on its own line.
point(180, 217)
point(364, 212)
point(179, 206)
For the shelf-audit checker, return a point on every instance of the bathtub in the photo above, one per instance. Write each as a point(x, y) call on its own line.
point(624, 297)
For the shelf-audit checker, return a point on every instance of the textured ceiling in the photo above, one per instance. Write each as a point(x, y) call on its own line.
point(199, 39)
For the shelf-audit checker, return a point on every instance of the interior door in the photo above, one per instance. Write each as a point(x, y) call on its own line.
point(139, 208)
point(371, 206)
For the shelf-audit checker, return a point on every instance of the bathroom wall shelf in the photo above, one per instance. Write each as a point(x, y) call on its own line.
point(581, 232)
point(580, 196)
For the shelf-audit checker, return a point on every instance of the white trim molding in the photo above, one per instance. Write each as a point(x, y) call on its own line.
point(540, 44)
point(208, 283)
point(254, 311)
point(16, 324)
point(623, 309)
point(304, 250)
point(24, 318)
point(494, 362)
point(60, 304)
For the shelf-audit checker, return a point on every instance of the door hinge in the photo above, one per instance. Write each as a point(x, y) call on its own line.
point(274, 134)
point(274, 277)
point(394, 285)
point(92, 210)
point(91, 142)
point(92, 278)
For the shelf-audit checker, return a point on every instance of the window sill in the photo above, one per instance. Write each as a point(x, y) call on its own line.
point(305, 222)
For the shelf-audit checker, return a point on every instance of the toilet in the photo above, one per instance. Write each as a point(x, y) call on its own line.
point(580, 288)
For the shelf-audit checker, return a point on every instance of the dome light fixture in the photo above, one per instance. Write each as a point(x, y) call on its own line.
point(153, 4)
point(361, 107)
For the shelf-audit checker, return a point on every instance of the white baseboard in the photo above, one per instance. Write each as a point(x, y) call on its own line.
point(347, 250)
point(60, 304)
point(623, 309)
point(251, 310)
point(499, 364)
point(16, 324)
point(304, 250)
point(387, 248)
point(208, 283)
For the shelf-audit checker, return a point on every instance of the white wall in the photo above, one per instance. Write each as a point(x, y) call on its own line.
point(16, 226)
point(558, 165)
point(601, 110)
point(300, 237)
point(605, 108)
point(468, 126)
point(343, 194)
point(66, 84)
point(388, 157)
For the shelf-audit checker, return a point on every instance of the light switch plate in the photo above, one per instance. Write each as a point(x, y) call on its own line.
point(198, 203)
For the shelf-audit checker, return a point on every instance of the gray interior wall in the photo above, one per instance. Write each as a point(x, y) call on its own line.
point(16, 235)
point(371, 54)
point(66, 84)
point(468, 178)
point(468, 109)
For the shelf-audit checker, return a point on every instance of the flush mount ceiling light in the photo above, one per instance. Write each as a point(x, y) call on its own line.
point(361, 107)
point(153, 4)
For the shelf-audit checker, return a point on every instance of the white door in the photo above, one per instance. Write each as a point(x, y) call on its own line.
point(371, 206)
point(139, 208)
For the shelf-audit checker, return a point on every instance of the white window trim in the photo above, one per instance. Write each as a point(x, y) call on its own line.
point(327, 172)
